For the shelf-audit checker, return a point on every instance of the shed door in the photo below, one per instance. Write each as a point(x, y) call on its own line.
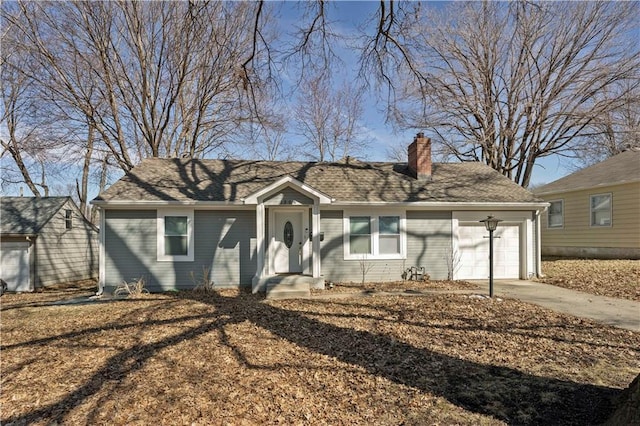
point(14, 266)
point(474, 252)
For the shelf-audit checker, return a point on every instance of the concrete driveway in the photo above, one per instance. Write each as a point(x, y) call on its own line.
point(620, 313)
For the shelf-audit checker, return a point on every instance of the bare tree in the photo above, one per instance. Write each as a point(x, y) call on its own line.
point(506, 84)
point(151, 79)
point(312, 115)
point(365, 267)
point(267, 141)
point(502, 83)
point(312, 50)
point(616, 130)
point(346, 136)
point(23, 123)
point(385, 53)
point(329, 119)
point(16, 140)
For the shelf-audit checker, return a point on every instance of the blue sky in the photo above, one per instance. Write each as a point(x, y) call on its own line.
point(348, 17)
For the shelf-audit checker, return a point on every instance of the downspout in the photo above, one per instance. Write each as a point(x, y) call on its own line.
point(539, 273)
point(33, 262)
point(101, 255)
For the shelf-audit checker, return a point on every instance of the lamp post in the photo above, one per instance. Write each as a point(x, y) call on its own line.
point(491, 223)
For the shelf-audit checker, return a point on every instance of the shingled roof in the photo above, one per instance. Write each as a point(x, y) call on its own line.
point(231, 181)
point(621, 168)
point(27, 215)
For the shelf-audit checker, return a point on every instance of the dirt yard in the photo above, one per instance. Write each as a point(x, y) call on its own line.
point(395, 286)
point(614, 278)
point(233, 358)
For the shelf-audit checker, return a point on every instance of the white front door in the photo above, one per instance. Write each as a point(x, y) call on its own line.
point(14, 265)
point(288, 240)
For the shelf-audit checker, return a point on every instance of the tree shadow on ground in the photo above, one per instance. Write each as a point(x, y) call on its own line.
point(503, 393)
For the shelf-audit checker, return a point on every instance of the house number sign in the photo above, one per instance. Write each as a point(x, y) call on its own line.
point(288, 234)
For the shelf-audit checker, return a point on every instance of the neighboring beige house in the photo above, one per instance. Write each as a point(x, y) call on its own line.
point(595, 212)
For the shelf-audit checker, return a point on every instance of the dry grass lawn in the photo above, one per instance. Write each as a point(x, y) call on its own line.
point(397, 286)
point(230, 358)
point(614, 278)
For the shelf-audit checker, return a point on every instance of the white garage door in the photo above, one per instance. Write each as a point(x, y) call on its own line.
point(474, 252)
point(14, 266)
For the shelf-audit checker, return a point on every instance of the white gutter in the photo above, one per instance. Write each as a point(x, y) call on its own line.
point(542, 205)
point(133, 204)
point(442, 205)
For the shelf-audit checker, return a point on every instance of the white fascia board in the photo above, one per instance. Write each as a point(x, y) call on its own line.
point(443, 205)
point(200, 205)
point(288, 181)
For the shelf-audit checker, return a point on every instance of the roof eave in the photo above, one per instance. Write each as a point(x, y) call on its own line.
point(449, 205)
point(442, 205)
point(162, 203)
point(18, 235)
point(585, 187)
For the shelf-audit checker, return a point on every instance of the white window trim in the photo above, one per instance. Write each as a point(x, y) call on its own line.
point(68, 219)
point(591, 224)
point(161, 257)
point(561, 226)
point(347, 214)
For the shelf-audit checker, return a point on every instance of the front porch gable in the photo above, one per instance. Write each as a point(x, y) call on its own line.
point(287, 196)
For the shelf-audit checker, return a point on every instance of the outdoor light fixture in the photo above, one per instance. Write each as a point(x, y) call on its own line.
point(491, 223)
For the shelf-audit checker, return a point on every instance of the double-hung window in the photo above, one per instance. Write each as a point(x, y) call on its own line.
point(360, 235)
point(556, 214)
point(600, 210)
point(378, 236)
point(389, 234)
point(175, 235)
point(68, 219)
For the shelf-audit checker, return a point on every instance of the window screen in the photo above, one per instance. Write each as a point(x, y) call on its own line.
point(360, 235)
point(176, 236)
point(389, 230)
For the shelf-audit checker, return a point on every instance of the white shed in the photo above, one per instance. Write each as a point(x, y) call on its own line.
point(45, 241)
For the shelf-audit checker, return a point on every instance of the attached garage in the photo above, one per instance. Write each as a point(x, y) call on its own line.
point(514, 245)
point(15, 265)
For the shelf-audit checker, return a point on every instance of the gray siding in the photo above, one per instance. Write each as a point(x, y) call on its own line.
point(428, 244)
point(63, 255)
point(429, 241)
point(288, 196)
point(224, 242)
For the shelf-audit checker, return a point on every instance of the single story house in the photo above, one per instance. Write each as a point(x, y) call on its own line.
point(45, 241)
point(595, 212)
point(249, 221)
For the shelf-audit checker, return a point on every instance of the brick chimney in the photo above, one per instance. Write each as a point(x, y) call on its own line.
point(420, 157)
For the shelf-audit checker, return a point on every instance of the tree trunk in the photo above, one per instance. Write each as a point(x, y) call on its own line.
point(83, 191)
